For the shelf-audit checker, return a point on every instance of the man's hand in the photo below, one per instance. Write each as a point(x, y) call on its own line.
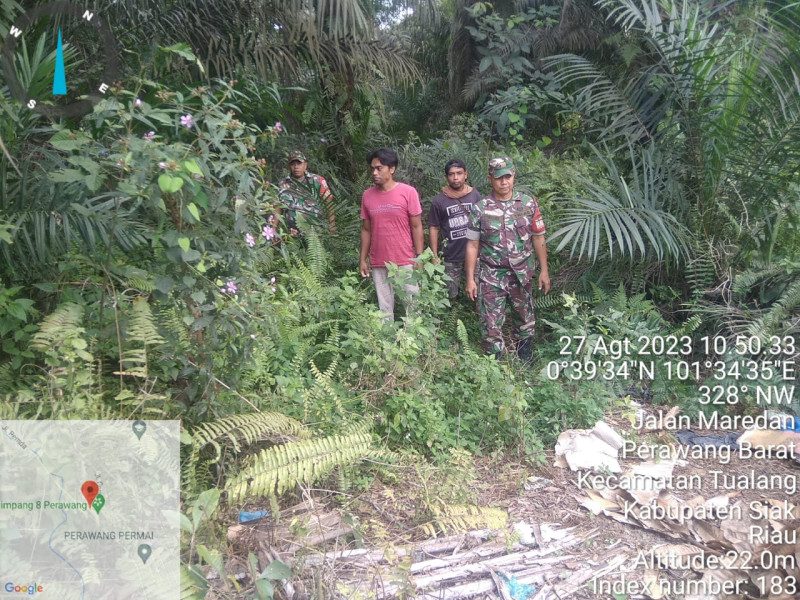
point(472, 289)
point(364, 269)
point(470, 262)
point(544, 282)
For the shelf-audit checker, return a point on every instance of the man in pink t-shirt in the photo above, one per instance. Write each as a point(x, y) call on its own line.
point(391, 226)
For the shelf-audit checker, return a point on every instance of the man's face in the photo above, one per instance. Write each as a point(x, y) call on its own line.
point(298, 168)
point(381, 174)
point(502, 186)
point(456, 178)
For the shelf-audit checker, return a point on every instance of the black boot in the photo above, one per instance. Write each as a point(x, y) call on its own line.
point(524, 350)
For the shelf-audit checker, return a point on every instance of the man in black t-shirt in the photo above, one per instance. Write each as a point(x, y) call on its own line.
point(450, 214)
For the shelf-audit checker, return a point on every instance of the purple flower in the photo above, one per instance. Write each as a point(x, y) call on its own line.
point(148, 137)
point(323, 140)
point(137, 103)
point(268, 232)
point(271, 219)
point(197, 175)
point(231, 288)
point(251, 241)
point(187, 121)
point(162, 165)
point(278, 126)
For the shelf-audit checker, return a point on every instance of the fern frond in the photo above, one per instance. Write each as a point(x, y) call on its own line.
point(142, 326)
point(316, 256)
point(246, 429)
point(193, 585)
point(620, 299)
point(463, 338)
point(599, 294)
point(309, 282)
point(134, 363)
point(305, 332)
point(456, 518)
point(322, 387)
point(745, 281)
point(143, 285)
point(278, 469)
point(173, 323)
point(235, 430)
point(700, 273)
point(64, 321)
point(550, 301)
point(331, 343)
point(7, 378)
point(690, 326)
point(772, 322)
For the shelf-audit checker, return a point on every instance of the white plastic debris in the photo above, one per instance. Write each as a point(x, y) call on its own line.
point(596, 449)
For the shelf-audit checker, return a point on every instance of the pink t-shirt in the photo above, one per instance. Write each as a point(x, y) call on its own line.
point(389, 214)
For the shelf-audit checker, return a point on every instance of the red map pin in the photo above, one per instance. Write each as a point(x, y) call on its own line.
point(90, 489)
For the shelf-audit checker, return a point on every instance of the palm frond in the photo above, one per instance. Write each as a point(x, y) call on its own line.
point(628, 220)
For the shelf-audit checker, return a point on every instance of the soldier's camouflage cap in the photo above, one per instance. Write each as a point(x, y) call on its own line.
point(296, 155)
point(501, 166)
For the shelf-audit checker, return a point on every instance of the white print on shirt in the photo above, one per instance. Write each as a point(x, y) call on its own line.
point(458, 219)
point(387, 208)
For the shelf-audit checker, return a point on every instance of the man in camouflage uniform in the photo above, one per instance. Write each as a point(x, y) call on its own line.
point(301, 193)
point(506, 231)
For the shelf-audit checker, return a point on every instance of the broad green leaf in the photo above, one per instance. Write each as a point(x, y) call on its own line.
point(69, 140)
point(201, 199)
point(213, 558)
point(17, 312)
point(184, 50)
point(186, 524)
point(277, 570)
point(164, 284)
point(191, 167)
point(86, 163)
point(94, 181)
point(205, 506)
point(67, 176)
point(189, 256)
point(192, 208)
point(265, 590)
point(185, 243)
point(513, 117)
point(169, 184)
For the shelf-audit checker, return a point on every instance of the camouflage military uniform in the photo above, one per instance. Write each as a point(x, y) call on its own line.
point(507, 264)
point(302, 199)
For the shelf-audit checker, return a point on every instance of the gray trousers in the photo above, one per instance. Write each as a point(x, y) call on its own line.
point(454, 271)
point(386, 292)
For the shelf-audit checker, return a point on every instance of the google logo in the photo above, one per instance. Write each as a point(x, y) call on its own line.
point(23, 589)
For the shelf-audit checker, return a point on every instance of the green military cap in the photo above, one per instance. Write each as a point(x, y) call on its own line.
point(501, 166)
point(296, 155)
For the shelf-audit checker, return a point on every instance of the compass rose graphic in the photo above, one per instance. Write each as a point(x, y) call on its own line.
point(86, 62)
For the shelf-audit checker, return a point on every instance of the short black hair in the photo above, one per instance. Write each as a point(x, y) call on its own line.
point(454, 162)
point(387, 156)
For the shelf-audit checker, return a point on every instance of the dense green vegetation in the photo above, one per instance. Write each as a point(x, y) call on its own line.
point(144, 273)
